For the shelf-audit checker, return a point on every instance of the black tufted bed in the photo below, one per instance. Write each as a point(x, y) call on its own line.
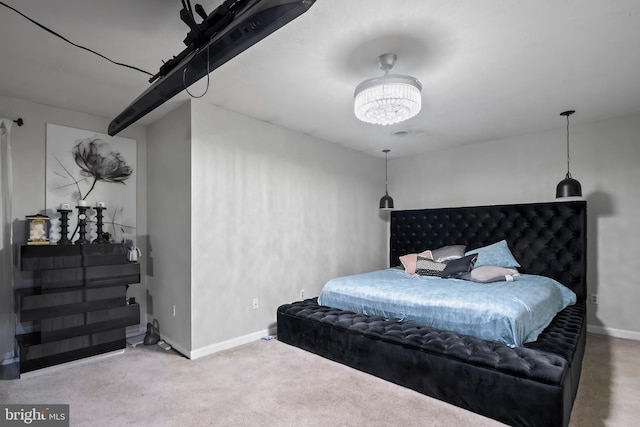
point(533, 385)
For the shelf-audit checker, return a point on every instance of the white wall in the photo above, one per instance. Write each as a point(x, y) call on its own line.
point(28, 146)
point(604, 158)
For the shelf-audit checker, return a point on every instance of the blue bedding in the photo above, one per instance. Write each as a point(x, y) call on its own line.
point(512, 312)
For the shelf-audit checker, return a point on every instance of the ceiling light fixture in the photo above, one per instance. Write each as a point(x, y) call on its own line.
point(389, 99)
point(386, 202)
point(568, 187)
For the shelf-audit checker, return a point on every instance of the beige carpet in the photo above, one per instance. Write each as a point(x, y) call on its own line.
point(268, 383)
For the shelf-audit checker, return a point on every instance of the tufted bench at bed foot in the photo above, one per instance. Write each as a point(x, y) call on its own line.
point(534, 385)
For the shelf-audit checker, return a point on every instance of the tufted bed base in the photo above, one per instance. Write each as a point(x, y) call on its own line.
point(527, 386)
point(533, 385)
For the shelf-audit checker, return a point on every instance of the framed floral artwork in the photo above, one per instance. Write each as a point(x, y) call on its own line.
point(90, 169)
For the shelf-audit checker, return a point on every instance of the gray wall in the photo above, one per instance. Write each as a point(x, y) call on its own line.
point(169, 206)
point(28, 146)
point(272, 212)
point(604, 158)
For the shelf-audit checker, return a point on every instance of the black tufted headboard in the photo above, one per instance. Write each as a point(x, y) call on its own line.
point(548, 239)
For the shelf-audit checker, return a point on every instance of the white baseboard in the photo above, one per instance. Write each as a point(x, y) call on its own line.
point(225, 345)
point(177, 347)
point(613, 332)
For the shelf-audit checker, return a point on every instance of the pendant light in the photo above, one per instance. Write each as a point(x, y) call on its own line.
point(568, 187)
point(386, 202)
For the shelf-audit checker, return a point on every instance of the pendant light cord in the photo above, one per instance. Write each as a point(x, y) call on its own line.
point(568, 159)
point(386, 189)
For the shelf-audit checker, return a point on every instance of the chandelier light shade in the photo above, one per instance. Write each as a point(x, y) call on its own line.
point(386, 202)
point(389, 99)
point(568, 187)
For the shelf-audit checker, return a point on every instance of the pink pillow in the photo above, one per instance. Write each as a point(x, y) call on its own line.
point(410, 261)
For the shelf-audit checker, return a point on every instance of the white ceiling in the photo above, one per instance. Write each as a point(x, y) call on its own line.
point(490, 69)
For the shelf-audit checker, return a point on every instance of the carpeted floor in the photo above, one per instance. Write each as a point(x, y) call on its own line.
point(268, 383)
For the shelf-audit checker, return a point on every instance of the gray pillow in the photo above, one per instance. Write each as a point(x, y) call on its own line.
point(428, 267)
point(447, 253)
point(457, 267)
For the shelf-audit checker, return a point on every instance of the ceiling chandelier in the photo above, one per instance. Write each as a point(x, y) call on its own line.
point(389, 99)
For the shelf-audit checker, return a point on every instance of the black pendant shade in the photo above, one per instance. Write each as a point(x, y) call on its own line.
point(568, 187)
point(386, 202)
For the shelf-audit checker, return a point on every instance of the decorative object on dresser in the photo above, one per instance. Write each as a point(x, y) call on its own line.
point(64, 210)
point(531, 385)
point(37, 229)
point(71, 302)
point(133, 252)
point(100, 206)
point(82, 223)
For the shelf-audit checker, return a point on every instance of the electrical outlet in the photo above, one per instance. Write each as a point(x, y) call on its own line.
point(173, 310)
point(301, 293)
point(256, 304)
point(594, 298)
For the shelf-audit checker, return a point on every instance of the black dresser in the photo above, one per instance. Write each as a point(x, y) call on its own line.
point(71, 302)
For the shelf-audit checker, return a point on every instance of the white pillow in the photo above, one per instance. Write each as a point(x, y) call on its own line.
point(491, 273)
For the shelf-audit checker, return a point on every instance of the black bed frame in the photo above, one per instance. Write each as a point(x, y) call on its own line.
point(533, 385)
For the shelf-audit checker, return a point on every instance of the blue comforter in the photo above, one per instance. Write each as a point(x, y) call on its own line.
point(512, 313)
